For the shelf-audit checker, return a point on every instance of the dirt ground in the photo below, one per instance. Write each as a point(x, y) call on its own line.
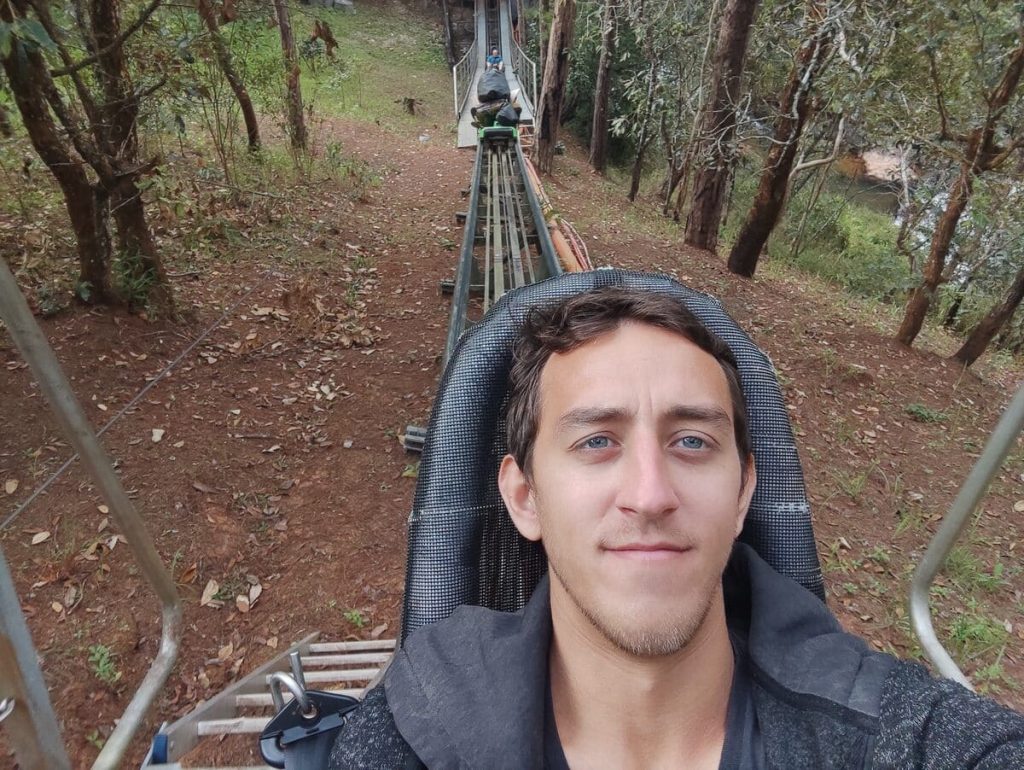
point(270, 456)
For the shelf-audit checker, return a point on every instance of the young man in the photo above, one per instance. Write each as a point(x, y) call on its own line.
point(655, 641)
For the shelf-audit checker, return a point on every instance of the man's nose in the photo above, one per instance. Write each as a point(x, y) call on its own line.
point(646, 485)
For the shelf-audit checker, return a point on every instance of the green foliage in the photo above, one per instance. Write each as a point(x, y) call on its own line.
point(355, 617)
point(102, 664)
point(922, 413)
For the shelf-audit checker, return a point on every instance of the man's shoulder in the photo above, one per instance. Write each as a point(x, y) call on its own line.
point(370, 740)
point(930, 722)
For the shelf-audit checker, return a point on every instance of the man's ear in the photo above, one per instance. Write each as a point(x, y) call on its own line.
point(746, 493)
point(518, 496)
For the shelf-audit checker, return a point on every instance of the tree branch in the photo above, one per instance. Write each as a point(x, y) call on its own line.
point(997, 160)
point(118, 41)
point(940, 99)
point(823, 161)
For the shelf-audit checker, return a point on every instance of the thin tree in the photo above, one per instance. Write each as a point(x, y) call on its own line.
point(296, 118)
point(223, 55)
point(645, 136)
point(556, 74)
point(982, 152)
point(714, 149)
point(794, 107)
point(602, 90)
point(92, 121)
point(982, 335)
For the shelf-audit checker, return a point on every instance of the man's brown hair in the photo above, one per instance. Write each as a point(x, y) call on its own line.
point(566, 325)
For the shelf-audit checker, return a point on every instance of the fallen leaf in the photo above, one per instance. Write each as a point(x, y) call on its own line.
point(1018, 506)
point(378, 630)
point(103, 509)
point(209, 592)
point(158, 434)
point(272, 642)
point(254, 593)
point(242, 602)
point(178, 444)
point(201, 487)
point(57, 607)
point(11, 486)
point(40, 537)
point(189, 575)
point(225, 652)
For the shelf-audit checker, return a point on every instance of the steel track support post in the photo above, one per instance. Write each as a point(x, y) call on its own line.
point(999, 444)
point(55, 387)
point(31, 727)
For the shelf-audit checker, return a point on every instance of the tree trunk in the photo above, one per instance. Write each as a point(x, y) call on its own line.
point(296, 119)
point(223, 56)
point(86, 206)
point(141, 265)
point(716, 152)
point(958, 300)
point(921, 297)
point(449, 37)
point(599, 127)
point(794, 106)
point(982, 153)
point(644, 138)
point(556, 73)
point(989, 326)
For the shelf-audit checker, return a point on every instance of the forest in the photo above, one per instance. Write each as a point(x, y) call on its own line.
point(749, 124)
point(237, 223)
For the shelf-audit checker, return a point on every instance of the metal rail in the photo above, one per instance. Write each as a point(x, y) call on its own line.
point(526, 71)
point(463, 74)
point(55, 387)
point(999, 444)
point(505, 243)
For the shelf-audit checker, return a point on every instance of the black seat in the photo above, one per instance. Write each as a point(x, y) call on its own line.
point(463, 547)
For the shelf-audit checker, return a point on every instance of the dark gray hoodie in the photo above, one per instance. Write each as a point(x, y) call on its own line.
point(468, 692)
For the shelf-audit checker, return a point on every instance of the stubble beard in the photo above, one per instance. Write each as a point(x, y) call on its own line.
point(672, 636)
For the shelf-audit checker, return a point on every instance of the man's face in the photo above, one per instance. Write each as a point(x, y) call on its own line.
point(636, 487)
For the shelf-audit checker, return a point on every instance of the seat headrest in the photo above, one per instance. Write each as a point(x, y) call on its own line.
point(463, 547)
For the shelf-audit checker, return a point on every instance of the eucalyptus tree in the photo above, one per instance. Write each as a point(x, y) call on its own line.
point(556, 73)
point(714, 149)
point(80, 113)
point(967, 109)
point(821, 24)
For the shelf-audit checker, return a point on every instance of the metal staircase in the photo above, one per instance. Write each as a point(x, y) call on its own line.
point(247, 706)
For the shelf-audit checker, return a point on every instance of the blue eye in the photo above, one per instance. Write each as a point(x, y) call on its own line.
point(596, 442)
point(692, 442)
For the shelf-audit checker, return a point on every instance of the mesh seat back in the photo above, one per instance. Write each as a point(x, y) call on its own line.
point(463, 547)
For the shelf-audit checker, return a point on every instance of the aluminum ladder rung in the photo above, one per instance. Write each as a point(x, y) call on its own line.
point(341, 675)
point(332, 647)
point(259, 699)
point(346, 659)
point(236, 726)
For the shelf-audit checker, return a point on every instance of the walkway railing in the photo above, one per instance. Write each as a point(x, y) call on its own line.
point(526, 71)
point(462, 77)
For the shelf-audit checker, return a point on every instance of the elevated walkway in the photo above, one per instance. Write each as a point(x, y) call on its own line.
point(520, 71)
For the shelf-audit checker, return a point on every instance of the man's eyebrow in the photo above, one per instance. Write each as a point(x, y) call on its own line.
point(707, 414)
point(586, 416)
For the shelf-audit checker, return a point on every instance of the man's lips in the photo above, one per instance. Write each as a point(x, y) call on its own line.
point(647, 551)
